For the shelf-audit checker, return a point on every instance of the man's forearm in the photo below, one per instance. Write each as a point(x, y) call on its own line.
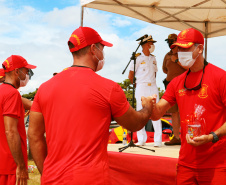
point(159, 109)
point(14, 142)
point(39, 151)
point(26, 103)
point(142, 119)
point(221, 131)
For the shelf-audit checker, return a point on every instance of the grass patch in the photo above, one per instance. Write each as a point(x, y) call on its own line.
point(34, 178)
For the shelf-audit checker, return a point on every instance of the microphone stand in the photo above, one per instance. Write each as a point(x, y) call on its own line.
point(133, 57)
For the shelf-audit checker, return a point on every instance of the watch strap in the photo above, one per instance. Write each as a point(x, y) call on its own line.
point(215, 137)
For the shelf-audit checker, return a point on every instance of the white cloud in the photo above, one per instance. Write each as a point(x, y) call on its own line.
point(41, 38)
point(118, 22)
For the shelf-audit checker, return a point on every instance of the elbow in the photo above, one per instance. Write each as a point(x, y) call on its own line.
point(10, 133)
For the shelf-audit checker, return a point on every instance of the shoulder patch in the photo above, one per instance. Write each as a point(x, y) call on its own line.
point(137, 55)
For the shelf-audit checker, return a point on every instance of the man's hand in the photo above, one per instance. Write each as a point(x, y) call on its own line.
point(21, 175)
point(147, 103)
point(197, 141)
point(154, 97)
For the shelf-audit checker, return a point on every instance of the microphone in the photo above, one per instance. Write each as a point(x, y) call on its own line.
point(141, 38)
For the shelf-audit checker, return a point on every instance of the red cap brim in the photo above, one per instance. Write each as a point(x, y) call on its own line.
point(29, 66)
point(106, 43)
point(182, 44)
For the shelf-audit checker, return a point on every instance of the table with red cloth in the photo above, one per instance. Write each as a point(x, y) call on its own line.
point(138, 169)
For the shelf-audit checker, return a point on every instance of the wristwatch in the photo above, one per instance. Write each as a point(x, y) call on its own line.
point(215, 137)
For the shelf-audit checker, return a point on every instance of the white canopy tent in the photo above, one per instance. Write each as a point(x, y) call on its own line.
point(207, 16)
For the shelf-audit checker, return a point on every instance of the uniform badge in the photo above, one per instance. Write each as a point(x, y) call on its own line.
point(143, 62)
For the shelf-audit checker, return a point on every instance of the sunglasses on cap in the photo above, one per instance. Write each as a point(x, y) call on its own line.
point(30, 73)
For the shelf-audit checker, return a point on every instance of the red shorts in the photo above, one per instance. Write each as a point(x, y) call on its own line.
point(7, 179)
point(208, 176)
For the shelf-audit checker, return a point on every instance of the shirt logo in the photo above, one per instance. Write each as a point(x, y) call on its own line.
point(182, 92)
point(203, 91)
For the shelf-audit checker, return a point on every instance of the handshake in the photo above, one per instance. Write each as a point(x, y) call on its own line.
point(149, 103)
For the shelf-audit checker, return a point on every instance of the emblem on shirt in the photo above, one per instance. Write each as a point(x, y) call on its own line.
point(203, 91)
point(143, 62)
point(182, 92)
point(65, 68)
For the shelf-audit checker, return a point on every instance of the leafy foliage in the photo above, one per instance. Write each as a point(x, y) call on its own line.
point(128, 90)
point(30, 95)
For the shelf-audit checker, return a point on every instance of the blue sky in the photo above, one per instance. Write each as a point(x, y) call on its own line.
point(42, 5)
point(39, 30)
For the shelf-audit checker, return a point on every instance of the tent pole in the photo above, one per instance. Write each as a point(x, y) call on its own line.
point(206, 34)
point(82, 12)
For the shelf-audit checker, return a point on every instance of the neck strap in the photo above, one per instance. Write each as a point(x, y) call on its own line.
point(9, 84)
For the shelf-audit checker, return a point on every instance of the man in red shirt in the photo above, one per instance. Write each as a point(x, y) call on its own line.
point(200, 94)
point(26, 102)
point(13, 148)
point(172, 67)
point(74, 109)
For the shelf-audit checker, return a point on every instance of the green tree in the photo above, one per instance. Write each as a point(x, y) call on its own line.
point(128, 90)
point(30, 95)
point(161, 92)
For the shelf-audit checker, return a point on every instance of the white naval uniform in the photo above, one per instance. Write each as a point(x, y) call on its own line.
point(145, 69)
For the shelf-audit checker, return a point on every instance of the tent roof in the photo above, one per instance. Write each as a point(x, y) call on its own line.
point(207, 16)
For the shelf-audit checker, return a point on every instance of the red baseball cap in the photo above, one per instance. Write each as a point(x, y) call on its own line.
point(85, 36)
point(188, 38)
point(2, 73)
point(16, 61)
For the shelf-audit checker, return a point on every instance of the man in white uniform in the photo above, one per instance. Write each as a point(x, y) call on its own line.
point(145, 73)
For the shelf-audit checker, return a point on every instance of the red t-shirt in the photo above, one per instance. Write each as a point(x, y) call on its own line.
point(78, 105)
point(11, 105)
point(212, 96)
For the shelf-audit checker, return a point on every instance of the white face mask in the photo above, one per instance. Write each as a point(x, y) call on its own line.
point(152, 49)
point(100, 64)
point(25, 81)
point(186, 59)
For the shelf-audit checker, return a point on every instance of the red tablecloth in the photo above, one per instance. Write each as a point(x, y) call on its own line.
point(136, 169)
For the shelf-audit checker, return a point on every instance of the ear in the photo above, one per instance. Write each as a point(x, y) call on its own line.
point(16, 72)
point(93, 49)
point(200, 48)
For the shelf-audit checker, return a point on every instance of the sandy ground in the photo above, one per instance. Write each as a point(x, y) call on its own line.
point(166, 151)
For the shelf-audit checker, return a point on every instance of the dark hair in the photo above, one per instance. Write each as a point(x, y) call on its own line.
point(80, 52)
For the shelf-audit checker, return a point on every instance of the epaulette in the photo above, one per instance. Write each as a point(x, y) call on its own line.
point(137, 55)
point(152, 55)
